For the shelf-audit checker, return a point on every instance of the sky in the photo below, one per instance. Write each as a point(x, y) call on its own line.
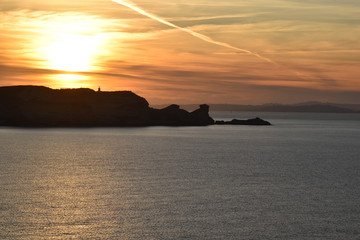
point(186, 51)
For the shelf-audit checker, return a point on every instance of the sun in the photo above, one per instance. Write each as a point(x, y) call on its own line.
point(73, 53)
point(73, 45)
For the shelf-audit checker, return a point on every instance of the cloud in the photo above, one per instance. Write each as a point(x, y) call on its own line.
point(317, 38)
point(165, 84)
point(191, 32)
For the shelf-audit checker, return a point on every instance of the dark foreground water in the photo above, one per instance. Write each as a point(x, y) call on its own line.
point(298, 179)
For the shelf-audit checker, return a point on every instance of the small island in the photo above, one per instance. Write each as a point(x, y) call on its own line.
point(253, 121)
point(37, 106)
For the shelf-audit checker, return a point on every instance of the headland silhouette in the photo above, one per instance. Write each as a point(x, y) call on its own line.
point(38, 106)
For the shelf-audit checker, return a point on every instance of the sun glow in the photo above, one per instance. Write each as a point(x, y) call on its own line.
point(72, 44)
point(73, 53)
point(70, 80)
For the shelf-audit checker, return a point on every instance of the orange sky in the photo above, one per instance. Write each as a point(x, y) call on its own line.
point(241, 52)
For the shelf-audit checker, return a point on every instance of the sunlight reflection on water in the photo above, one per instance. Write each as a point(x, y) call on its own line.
point(288, 181)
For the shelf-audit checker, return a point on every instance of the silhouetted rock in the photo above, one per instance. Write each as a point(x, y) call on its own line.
point(254, 121)
point(201, 115)
point(45, 107)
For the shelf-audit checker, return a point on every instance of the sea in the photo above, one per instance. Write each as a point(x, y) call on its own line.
point(297, 179)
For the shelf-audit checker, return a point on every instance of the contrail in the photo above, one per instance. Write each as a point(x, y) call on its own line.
point(195, 34)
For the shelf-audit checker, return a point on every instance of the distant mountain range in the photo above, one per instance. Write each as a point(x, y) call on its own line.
point(316, 107)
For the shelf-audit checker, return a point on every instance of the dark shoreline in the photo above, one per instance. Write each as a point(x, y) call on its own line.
point(42, 107)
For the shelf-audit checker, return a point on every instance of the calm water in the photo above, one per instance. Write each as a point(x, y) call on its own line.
point(298, 179)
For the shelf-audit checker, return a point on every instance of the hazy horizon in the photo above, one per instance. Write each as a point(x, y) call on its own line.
point(235, 52)
point(199, 103)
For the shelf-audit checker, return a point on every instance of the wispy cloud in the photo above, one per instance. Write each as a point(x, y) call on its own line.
point(318, 38)
point(195, 34)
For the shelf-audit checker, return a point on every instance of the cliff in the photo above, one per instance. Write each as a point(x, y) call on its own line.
point(44, 107)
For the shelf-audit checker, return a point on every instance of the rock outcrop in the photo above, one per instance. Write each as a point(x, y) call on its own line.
point(36, 106)
point(253, 121)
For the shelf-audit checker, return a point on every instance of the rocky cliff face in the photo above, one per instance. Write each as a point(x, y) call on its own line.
point(174, 116)
point(41, 106)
